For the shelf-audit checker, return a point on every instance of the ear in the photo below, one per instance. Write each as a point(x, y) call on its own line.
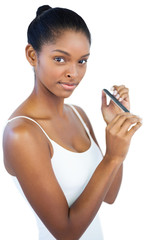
point(31, 55)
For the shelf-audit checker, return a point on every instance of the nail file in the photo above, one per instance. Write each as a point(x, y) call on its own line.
point(118, 103)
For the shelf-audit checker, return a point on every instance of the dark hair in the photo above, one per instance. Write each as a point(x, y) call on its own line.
point(50, 23)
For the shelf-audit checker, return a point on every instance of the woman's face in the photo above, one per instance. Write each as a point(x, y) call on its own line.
point(62, 65)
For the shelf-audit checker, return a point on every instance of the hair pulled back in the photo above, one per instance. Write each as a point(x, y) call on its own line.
point(50, 23)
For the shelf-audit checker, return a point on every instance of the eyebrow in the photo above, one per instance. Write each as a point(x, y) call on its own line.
point(66, 53)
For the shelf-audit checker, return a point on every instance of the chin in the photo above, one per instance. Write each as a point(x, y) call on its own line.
point(67, 95)
point(63, 94)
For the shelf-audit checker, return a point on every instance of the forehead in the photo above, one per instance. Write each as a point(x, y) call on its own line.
point(71, 42)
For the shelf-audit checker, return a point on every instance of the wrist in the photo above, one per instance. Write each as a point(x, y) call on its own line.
point(115, 160)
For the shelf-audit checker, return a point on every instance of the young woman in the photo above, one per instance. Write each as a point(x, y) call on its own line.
point(50, 147)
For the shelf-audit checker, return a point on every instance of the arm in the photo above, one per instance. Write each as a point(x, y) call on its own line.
point(109, 112)
point(27, 151)
point(114, 188)
point(115, 185)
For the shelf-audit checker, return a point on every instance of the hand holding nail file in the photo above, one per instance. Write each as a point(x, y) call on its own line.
point(115, 100)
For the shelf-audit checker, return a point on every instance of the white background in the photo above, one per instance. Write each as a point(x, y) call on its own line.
point(125, 50)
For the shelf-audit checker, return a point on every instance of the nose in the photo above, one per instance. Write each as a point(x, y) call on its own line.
point(72, 71)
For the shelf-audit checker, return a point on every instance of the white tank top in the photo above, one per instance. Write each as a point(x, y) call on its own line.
point(73, 171)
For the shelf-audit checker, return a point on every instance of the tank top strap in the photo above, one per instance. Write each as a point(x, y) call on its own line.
point(75, 111)
point(81, 119)
point(10, 120)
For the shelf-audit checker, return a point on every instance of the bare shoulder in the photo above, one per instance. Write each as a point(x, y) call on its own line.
point(27, 156)
point(20, 136)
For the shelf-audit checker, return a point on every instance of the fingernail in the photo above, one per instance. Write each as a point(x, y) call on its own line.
point(120, 99)
point(117, 96)
point(115, 92)
point(141, 120)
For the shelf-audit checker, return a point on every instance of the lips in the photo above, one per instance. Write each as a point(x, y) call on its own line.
point(68, 86)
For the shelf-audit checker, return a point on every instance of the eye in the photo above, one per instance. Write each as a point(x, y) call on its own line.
point(59, 59)
point(83, 61)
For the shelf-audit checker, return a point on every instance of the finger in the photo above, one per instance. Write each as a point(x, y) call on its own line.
point(132, 131)
point(104, 100)
point(121, 92)
point(104, 105)
point(119, 119)
point(118, 88)
point(129, 122)
point(122, 88)
point(124, 96)
point(122, 122)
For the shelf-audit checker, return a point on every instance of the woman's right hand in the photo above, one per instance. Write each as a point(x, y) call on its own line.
point(118, 135)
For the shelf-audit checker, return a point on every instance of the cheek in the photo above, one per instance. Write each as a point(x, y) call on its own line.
point(82, 72)
point(50, 74)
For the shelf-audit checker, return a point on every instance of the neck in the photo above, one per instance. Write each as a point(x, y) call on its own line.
point(47, 102)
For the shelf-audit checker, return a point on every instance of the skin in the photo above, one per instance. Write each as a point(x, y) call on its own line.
point(28, 153)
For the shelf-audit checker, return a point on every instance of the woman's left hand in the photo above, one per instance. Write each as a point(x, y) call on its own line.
point(111, 110)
